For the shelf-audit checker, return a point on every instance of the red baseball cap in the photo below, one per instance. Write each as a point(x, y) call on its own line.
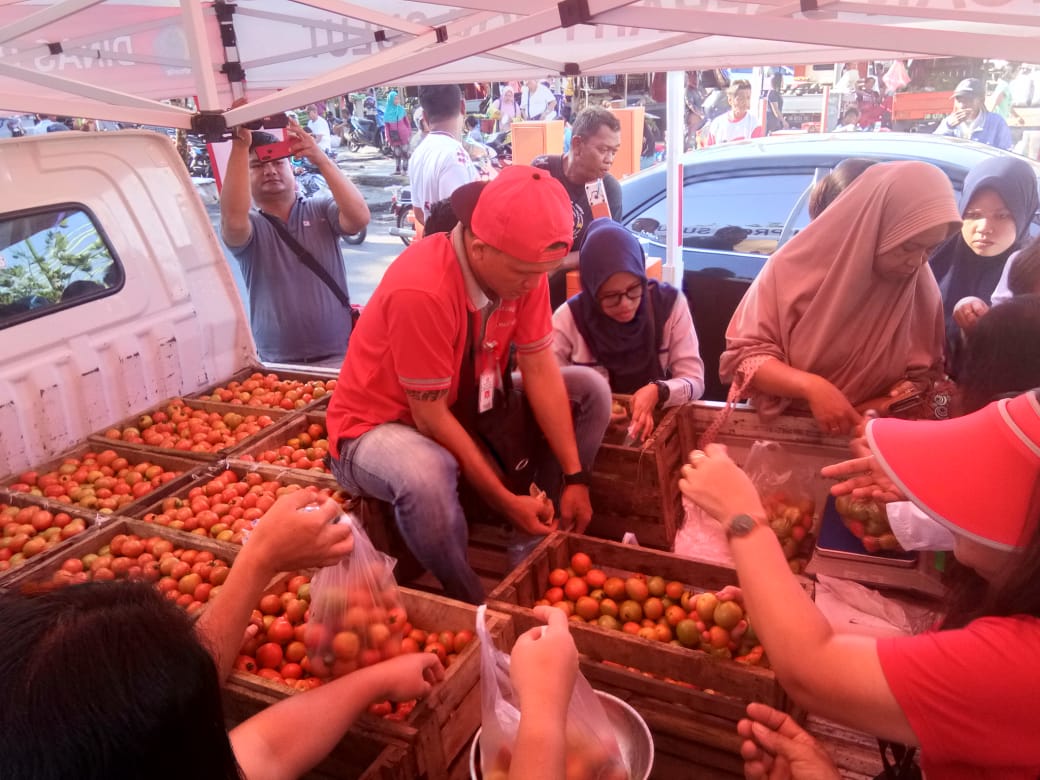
point(523, 212)
point(979, 475)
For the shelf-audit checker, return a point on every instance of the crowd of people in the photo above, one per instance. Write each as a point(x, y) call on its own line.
point(465, 388)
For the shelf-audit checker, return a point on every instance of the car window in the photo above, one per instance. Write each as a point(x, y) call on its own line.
point(51, 260)
point(743, 214)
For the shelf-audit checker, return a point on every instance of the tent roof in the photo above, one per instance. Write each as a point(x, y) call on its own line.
point(118, 59)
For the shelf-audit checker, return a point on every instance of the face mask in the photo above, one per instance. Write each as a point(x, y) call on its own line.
point(915, 530)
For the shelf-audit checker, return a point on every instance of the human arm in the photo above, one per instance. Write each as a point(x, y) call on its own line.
point(295, 533)
point(543, 667)
point(945, 127)
point(328, 711)
point(353, 211)
point(862, 476)
point(828, 404)
point(684, 356)
point(547, 394)
point(235, 195)
point(836, 676)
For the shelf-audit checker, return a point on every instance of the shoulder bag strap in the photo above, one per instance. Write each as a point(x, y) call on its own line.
point(308, 259)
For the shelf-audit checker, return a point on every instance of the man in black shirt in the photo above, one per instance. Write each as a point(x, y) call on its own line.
point(585, 173)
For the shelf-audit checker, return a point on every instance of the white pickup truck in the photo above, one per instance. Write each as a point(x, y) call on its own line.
point(114, 292)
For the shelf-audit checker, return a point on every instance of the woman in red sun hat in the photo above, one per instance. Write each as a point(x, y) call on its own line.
point(966, 693)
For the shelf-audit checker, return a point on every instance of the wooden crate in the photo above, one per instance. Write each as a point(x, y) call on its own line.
point(441, 726)
point(277, 415)
point(312, 373)
point(277, 436)
point(701, 718)
point(167, 459)
point(637, 488)
point(24, 500)
point(269, 473)
point(93, 539)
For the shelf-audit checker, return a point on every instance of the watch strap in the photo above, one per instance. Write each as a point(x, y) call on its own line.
point(577, 478)
point(740, 525)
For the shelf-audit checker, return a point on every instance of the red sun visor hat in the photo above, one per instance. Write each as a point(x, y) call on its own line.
point(979, 475)
point(523, 212)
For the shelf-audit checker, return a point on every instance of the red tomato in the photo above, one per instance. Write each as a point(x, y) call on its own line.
point(269, 655)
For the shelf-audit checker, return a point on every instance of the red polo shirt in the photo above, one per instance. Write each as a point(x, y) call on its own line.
point(412, 336)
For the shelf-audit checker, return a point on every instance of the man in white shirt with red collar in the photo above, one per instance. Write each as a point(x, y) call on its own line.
point(738, 123)
point(440, 163)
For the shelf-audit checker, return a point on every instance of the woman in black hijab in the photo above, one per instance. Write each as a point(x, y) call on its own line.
point(997, 205)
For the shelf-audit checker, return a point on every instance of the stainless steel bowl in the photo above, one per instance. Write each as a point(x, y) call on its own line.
point(633, 736)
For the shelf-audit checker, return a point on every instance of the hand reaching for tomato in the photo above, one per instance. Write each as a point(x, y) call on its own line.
point(296, 533)
point(544, 664)
point(408, 676)
point(776, 747)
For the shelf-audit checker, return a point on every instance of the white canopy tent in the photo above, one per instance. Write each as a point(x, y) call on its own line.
point(118, 59)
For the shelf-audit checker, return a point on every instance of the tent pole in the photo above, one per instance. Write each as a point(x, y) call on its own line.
point(675, 122)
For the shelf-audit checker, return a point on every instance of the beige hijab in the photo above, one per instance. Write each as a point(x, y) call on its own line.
point(820, 306)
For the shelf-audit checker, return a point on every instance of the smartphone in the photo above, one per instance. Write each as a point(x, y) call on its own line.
point(275, 151)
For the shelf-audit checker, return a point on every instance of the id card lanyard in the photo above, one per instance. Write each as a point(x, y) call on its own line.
point(596, 192)
point(487, 363)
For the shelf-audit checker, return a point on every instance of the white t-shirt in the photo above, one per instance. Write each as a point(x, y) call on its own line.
point(534, 105)
point(321, 131)
point(723, 128)
point(439, 165)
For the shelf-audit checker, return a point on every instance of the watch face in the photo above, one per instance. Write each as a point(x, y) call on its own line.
point(742, 525)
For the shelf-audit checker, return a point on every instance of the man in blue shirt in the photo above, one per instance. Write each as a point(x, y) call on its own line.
point(971, 120)
point(295, 315)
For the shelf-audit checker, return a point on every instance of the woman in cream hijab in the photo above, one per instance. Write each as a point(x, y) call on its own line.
point(848, 310)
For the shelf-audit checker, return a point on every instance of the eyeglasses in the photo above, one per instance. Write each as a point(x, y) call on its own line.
point(633, 293)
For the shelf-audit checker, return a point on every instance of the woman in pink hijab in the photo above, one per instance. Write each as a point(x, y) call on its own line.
point(848, 310)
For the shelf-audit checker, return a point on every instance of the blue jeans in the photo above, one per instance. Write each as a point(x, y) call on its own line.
point(397, 464)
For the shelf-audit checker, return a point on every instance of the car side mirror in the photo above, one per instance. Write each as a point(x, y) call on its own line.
point(645, 225)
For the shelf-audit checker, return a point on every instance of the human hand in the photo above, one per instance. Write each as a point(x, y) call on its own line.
point(544, 664)
point(777, 748)
point(832, 410)
point(303, 143)
point(408, 676)
point(644, 401)
point(532, 514)
point(575, 509)
point(967, 311)
point(718, 485)
point(298, 533)
point(862, 476)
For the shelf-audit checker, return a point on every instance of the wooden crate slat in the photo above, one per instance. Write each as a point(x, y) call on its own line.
point(279, 416)
point(312, 374)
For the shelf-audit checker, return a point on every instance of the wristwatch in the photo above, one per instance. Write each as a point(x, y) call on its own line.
point(663, 391)
point(740, 525)
point(577, 478)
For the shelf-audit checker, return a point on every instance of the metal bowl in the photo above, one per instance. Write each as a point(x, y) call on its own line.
point(633, 736)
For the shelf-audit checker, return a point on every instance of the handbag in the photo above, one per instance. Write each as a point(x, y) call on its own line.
point(313, 265)
point(508, 430)
point(898, 761)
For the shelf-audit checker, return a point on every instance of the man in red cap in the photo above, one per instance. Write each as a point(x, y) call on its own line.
point(421, 394)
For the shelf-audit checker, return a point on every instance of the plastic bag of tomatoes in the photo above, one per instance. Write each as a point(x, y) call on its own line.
point(356, 617)
point(592, 747)
point(787, 490)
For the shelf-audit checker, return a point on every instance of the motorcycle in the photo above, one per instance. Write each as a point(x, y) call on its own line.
point(199, 165)
point(401, 208)
point(311, 183)
point(502, 144)
point(367, 131)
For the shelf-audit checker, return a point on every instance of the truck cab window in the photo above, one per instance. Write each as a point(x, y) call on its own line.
point(51, 260)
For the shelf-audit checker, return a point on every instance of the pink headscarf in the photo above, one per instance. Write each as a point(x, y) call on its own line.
point(820, 306)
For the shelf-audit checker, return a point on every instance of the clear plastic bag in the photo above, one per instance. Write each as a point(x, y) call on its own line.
point(788, 492)
point(592, 748)
point(356, 616)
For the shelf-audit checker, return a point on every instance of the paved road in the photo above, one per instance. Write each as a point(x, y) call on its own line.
point(365, 263)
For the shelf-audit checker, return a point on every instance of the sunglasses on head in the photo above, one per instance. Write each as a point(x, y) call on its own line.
point(273, 122)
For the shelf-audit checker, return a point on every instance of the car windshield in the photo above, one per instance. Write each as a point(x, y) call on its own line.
point(743, 214)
